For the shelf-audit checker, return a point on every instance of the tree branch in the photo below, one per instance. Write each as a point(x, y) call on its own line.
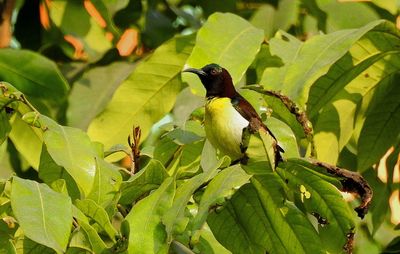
point(351, 182)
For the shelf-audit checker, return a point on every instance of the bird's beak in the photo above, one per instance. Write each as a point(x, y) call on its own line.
point(196, 71)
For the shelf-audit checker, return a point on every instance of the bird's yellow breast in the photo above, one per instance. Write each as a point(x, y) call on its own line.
point(224, 126)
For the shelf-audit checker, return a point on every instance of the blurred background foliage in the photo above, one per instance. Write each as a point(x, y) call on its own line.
point(94, 48)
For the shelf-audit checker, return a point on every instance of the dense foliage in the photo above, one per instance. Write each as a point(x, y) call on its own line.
point(322, 74)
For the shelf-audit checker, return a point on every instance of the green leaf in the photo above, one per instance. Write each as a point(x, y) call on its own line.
point(91, 93)
point(187, 163)
point(379, 208)
point(290, 224)
point(260, 152)
point(381, 128)
point(72, 19)
point(107, 183)
point(208, 244)
point(50, 172)
point(347, 15)
point(258, 220)
point(174, 219)
point(334, 97)
point(6, 244)
point(25, 245)
point(285, 136)
point(78, 240)
point(43, 214)
point(72, 149)
point(147, 233)
point(32, 74)
point(235, 51)
point(27, 140)
point(321, 198)
point(271, 19)
point(97, 214)
point(98, 245)
point(241, 225)
point(147, 179)
point(146, 96)
point(5, 126)
point(311, 60)
point(221, 186)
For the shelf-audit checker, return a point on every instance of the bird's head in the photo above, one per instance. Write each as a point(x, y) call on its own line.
point(216, 80)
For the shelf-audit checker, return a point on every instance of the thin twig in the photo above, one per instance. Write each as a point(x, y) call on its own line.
point(135, 151)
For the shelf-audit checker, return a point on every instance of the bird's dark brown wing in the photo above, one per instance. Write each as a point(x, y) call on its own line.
point(249, 113)
point(255, 123)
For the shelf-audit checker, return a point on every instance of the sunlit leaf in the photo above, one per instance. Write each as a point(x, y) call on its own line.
point(381, 128)
point(270, 19)
point(33, 75)
point(97, 214)
point(44, 215)
point(50, 172)
point(72, 149)
point(146, 96)
point(334, 97)
point(221, 186)
point(147, 233)
point(147, 179)
point(27, 140)
point(107, 183)
point(174, 219)
point(311, 60)
point(235, 51)
point(321, 198)
point(91, 93)
point(98, 245)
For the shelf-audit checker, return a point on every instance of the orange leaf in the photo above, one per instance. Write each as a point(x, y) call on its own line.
point(128, 42)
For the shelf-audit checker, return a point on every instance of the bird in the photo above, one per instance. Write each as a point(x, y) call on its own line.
point(228, 114)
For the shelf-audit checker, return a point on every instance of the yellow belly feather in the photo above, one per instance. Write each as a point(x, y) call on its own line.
point(224, 126)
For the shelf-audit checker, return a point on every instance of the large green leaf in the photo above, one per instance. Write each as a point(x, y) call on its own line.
point(27, 140)
point(258, 220)
point(147, 233)
point(148, 178)
point(97, 214)
point(98, 245)
point(174, 219)
point(334, 97)
point(381, 128)
point(49, 172)
point(43, 214)
point(5, 126)
point(235, 51)
point(346, 15)
point(107, 183)
point(91, 93)
point(146, 96)
point(221, 186)
point(290, 224)
point(32, 74)
point(242, 226)
point(311, 60)
point(321, 198)
point(72, 149)
point(270, 19)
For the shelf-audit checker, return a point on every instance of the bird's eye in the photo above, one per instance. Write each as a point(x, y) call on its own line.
point(214, 72)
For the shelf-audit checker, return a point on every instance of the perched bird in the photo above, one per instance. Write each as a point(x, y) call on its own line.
point(227, 113)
